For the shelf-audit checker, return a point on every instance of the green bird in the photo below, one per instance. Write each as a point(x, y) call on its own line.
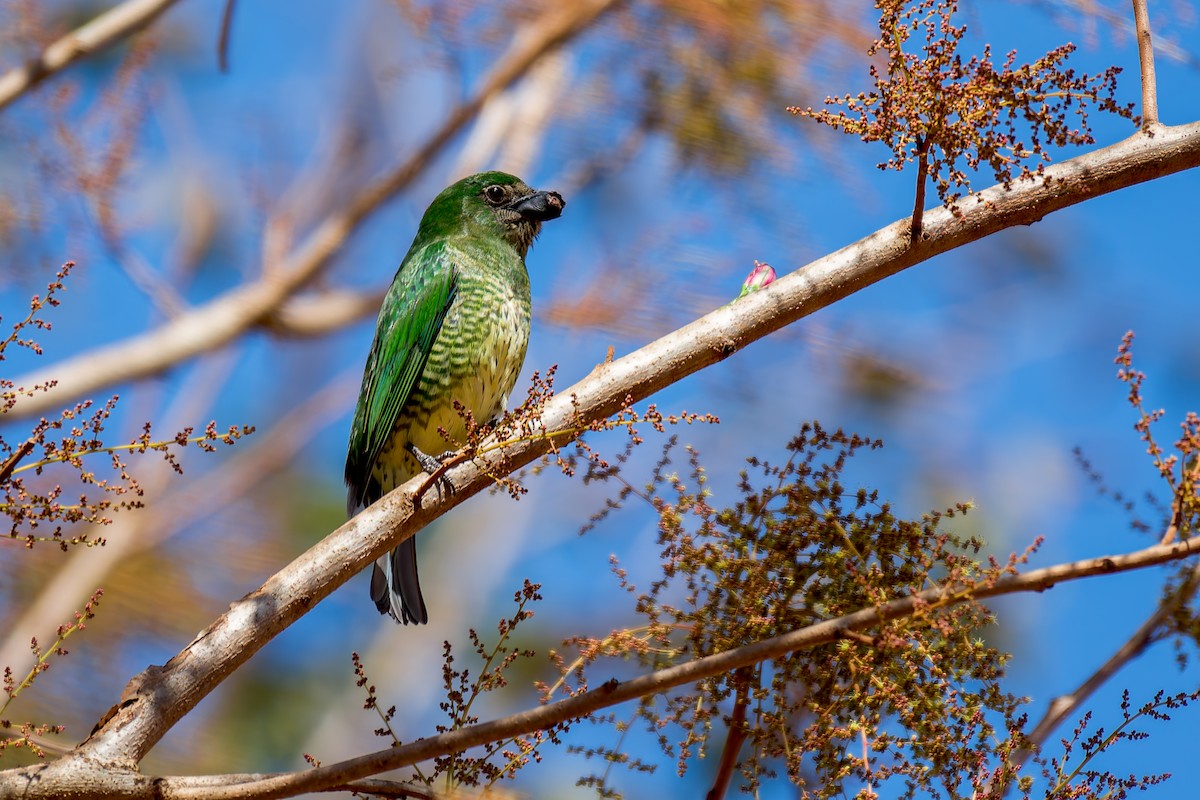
point(454, 326)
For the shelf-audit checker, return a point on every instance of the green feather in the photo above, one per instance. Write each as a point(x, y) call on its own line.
point(454, 326)
point(411, 318)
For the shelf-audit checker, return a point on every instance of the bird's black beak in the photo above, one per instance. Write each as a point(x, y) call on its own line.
point(539, 205)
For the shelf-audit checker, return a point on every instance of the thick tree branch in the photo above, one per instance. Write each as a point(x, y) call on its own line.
point(222, 320)
point(710, 339)
point(155, 700)
point(99, 34)
point(319, 314)
point(615, 692)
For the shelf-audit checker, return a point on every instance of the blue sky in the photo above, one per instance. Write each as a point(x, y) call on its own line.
point(1008, 344)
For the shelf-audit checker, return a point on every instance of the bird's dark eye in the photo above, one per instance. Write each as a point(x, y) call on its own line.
point(494, 193)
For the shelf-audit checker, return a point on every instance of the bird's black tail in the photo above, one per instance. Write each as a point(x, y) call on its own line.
point(395, 586)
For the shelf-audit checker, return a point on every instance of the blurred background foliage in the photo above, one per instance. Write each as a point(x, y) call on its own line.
point(663, 124)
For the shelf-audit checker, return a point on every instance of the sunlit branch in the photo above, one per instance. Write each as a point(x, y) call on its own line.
point(319, 314)
point(1066, 706)
point(1141, 18)
point(229, 316)
point(97, 35)
point(615, 692)
point(163, 695)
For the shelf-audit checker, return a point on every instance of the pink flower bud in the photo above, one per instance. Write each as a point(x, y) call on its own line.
point(762, 275)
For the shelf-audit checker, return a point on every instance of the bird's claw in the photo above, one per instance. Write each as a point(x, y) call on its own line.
point(433, 465)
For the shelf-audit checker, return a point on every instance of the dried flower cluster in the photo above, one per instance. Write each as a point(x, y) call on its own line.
point(1180, 470)
point(497, 760)
point(952, 115)
point(33, 471)
point(524, 423)
point(918, 701)
point(29, 734)
point(1068, 779)
point(38, 505)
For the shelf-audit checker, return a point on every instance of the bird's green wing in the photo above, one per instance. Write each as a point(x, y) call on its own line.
point(412, 315)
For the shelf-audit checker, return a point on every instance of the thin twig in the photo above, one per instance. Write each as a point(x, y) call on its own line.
point(734, 740)
point(1141, 19)
point(223, 41)
point(922, 178)
point(10, 463)
point(99, 34)
point(51, 746)
point(1067, 705)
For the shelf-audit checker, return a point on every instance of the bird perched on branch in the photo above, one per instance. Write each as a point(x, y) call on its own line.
point(454, 326)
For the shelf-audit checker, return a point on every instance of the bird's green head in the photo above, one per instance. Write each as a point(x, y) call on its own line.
point(491, 204)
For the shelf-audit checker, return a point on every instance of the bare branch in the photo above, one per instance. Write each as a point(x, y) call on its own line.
point(223, 41)
point(1141, 18)
point(511, 131)
point(1067, 705)
point(376, 787)
point(922, 180)
point(615, 692)
point(10, 463)
point(318, 314)
point(733, 740)
point(158, 698)
point(99, 34)
point(220, 321)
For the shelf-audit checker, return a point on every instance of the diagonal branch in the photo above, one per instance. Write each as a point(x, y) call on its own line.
point(1067, 705)
point(158, 698)
point(614, 692)
point(220, 321)
point(326, 312)
point(101, 33)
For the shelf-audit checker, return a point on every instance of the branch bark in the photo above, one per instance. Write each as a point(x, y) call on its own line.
point(157, 698)
point(319, 314)
point(101, 33)
point(244, 787)
point(222, 320)
point(1066, 705)
point(1141, 21)
point(614, 692)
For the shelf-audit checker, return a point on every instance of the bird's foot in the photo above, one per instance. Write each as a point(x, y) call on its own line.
point(434, 465)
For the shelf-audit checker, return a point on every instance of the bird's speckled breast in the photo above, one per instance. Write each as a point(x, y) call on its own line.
point(475, 359)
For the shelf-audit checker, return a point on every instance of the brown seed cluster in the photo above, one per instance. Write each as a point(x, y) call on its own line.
point(954, 116)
